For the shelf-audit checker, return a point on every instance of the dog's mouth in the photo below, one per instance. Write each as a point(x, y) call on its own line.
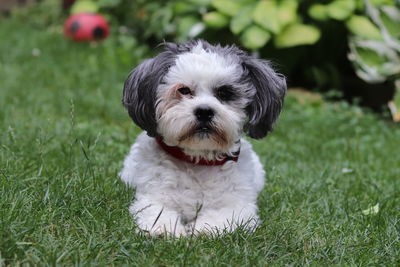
point(203, 132)
point(203, 129)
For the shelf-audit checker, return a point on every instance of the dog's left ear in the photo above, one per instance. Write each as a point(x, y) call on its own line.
point(268, 100)
point(140, 89)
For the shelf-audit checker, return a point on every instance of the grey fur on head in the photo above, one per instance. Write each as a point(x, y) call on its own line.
point(140, 89)
point(268, 87)
point(268, 100)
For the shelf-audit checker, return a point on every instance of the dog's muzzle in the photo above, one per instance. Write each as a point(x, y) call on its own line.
point(204, 114)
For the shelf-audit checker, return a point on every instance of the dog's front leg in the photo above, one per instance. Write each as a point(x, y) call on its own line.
point(155, 218)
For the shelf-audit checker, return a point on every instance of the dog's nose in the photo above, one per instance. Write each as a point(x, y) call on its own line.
point(204, 113)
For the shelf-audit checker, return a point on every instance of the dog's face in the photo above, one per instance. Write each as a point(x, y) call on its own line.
point(202, 97)
point(201, 102)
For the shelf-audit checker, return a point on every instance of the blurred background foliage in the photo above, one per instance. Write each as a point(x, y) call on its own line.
point(349, 47)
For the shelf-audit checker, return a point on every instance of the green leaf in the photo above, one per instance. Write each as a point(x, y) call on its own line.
point(215, 20)
point(341, 9)
point(370, 57)
point(84, 6)
point(255, 37)
point(185, 24)
point(108, 3)
point(360, 4)
point(287, 12)
point(266, 15)
point(181, 7)
point(228, 7)
point(374, 61)
point(390, 17)
point(199, 2)
point(363, 27)
point(241, 20)
point(382, 2)
point(297, 34)
point(318, 12)
point(186, 6)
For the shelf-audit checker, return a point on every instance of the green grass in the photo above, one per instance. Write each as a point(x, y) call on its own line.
point(64, 135)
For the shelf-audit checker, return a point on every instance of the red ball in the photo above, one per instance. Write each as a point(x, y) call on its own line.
point(85, 27)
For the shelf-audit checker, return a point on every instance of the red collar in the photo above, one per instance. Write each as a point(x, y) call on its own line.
point(177, 152)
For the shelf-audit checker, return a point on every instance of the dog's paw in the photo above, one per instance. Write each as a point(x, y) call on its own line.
point(163, 228)
point(209, 227)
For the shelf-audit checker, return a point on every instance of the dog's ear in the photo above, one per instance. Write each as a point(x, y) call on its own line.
point(140, 89)
point(267, 102)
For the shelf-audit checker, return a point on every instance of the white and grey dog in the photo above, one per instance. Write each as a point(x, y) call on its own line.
point(195, 101)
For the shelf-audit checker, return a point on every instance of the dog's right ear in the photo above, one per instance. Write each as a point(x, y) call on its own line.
point(268, 100)
point(140, 89)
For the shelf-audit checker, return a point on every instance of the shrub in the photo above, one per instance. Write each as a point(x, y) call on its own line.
point(318, 43)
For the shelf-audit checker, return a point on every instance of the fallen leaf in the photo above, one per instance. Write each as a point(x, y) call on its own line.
point(371, 210)
point(346, 170)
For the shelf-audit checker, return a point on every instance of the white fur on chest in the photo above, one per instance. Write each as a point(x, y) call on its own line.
point(191, 190)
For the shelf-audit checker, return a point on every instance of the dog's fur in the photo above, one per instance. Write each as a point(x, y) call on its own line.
point(162, 95)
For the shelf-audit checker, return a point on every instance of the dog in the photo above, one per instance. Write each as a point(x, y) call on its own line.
point(192, 170)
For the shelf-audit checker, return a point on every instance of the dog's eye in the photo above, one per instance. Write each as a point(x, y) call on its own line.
point(184, 90)
point(225, 93)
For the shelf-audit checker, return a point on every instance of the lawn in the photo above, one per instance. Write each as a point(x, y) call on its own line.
point(64, 134)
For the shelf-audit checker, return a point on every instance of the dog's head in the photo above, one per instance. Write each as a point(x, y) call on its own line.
point(202, 97)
